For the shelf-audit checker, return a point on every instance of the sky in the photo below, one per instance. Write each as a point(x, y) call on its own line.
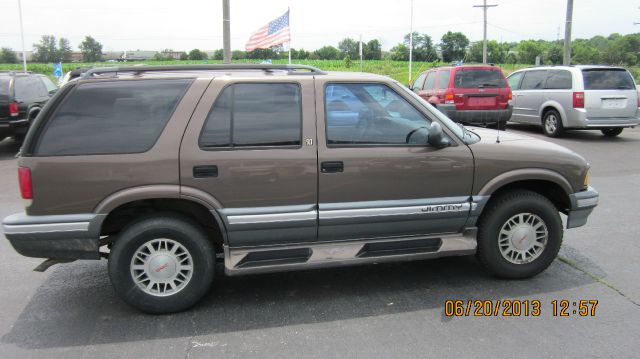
point(188, 24)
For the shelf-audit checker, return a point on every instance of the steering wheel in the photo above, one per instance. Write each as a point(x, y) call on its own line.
point(413, 132)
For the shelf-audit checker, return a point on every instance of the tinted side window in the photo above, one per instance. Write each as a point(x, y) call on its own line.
point(255, 115)
point(4, 86)
point(377, 116)
point(430, 81)
point(111, 117)
point(443, 79)
point(607, 79)
point(419, 81)
point(558, 80)
point(514, 80)
point(533, 80)
point(29, 89)
point(50, 86)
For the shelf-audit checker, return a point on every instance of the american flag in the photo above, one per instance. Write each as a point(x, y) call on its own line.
point(274, 33)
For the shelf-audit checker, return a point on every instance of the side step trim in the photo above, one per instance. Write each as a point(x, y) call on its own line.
point(239, 261)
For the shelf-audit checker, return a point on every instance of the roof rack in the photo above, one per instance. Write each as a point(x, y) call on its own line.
point(307, 70)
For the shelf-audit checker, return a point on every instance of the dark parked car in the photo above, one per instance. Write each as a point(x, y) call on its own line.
point(22, 96)
point(468, 93)
point(166, 170)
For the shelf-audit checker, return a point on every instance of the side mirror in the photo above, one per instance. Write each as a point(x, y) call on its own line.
point(436, 137)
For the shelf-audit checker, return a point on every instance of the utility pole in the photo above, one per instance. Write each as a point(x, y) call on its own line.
point(566, 59)
point(484, 7)
point(24, 53)
point(226, 30)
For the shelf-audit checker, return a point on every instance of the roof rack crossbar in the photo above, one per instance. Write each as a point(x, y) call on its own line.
point(215, 67)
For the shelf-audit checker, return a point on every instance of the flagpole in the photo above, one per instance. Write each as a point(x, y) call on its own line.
point(289, 12)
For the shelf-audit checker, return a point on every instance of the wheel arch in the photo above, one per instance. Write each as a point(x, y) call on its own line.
point(553, 105)
point(547, 183)
point(123, 207)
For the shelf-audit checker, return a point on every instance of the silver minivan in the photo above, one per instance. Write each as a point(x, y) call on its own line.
point(575, 97)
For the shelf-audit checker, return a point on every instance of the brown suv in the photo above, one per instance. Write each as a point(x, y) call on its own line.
point(272, 168)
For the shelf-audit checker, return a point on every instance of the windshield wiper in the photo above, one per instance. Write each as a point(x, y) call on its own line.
point(487, 85)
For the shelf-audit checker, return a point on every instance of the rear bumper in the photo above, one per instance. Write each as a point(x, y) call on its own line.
point(579, 118)
point(582, 204)
point(58, 237)
point(12, 127)
point(476, 116)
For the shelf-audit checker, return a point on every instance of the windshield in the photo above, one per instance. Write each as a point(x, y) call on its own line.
point(473, 78)
point(607, 79)
point(444, 119)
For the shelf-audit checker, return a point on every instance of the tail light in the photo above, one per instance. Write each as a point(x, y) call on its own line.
point(448, 97)
point(638, 100)
point(14, 109)
point(24, 179)
point(578, 100)
point(510, 96)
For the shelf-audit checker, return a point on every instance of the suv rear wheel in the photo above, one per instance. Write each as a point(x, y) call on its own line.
point(519, 235)
point(162, 264)
point(611, 132)
point(552, 124)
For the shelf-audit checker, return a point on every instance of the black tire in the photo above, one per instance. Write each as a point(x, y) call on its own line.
point(552, 124)
point(495, 216)
point(150, 229)
point(611, 132)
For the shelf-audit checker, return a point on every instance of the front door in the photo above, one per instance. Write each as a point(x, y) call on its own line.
point(378, 178)
point(251, 148)
point(529, 96)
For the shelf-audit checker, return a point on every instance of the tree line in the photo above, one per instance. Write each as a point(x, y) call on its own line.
point(614, 49)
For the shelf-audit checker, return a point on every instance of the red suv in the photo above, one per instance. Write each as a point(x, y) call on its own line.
point(468, 94)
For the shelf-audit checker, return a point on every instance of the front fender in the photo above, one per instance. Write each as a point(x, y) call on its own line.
point(525, 174)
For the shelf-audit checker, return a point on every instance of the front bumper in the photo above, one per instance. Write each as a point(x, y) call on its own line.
point(476, 116)
point(582, 204)
point(58, 237)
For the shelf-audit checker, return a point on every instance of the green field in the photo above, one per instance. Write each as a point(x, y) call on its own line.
point(398, 70)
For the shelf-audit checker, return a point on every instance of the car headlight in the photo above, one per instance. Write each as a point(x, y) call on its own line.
point(585, 184)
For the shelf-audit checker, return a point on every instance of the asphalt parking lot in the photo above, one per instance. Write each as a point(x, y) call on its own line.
point(390, 310)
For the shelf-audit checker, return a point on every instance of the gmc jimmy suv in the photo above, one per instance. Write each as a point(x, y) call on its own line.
point(166, 170)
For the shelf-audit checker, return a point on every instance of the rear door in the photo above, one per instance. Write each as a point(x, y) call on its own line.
point(250, 147)
point(478, 88)
point(529, 96)
point(609, 92)
point(380, 178)
point(428, 87)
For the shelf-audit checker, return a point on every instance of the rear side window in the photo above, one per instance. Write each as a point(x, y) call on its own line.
point(50, 86)
point(473, 78)
point(249, 115)
point(111, 117)
point(29, 89)
point(607, 79)
point(4, 87)
point(533, 80)
point(443, 79)
point(430, 81)
point(419, 81)
point(558, 80)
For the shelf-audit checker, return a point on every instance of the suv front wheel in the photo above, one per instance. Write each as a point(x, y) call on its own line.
point(162, 264)
point(519, 235)
point(552, 124)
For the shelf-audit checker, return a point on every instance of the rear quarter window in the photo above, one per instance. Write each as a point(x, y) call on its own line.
point(113, 117)
point(559, 80)
point(607, 79)
point(4, 87)
point(473, 78)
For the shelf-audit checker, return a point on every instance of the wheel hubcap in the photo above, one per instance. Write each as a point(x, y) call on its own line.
point(161, 267)
point(551, 123)
point(523, 238)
